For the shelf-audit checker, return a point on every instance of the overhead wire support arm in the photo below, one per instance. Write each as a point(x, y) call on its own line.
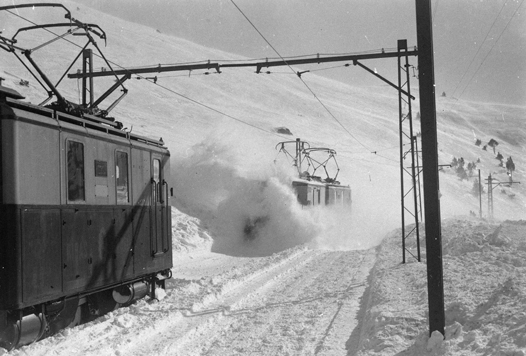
point(144, 70)
point(319, 59)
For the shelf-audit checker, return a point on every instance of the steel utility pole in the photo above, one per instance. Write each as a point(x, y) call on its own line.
point(435, 283)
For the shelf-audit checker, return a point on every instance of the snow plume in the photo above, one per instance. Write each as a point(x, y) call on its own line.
point(246, 202)
point(249, 209)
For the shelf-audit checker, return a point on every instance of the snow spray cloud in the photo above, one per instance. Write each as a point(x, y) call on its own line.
point(354, 227)
point(249, 209)
point(249, 206)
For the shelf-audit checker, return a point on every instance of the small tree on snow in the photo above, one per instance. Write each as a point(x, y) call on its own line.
point(461, 173)
point(471, 167)
point(510, 166)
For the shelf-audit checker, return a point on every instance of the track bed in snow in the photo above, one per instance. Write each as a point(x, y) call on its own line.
point(299, 301)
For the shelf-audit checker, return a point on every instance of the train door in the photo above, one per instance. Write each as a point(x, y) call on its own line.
point(159, 202)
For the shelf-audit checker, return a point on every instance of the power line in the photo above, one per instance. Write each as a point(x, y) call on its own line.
point(480, 47)
point(491, 49)
point(306, 85)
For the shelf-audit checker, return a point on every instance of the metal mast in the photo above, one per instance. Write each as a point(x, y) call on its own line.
point(407, 139)
point(433, 229)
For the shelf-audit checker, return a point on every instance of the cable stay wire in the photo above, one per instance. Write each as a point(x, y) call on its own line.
point(284, 73)
point(299, 76)
point(480, 47)
point(322, 69)
point(491, 49)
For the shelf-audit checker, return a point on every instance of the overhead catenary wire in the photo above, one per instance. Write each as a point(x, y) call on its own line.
point(299, 76)
point(491, 49)
point(480, 47)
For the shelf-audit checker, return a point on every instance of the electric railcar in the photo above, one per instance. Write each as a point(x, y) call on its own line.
point(312, 190)
point(85, 221)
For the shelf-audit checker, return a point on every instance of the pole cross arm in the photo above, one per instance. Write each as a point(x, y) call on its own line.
point(494, 183)
point(320, 59)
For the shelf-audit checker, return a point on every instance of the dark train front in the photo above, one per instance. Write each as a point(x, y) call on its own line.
point(85, 223)
point(314, 193)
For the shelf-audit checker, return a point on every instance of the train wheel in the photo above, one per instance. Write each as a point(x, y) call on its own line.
point(60, 315)
point(10, 334)
point(22, 330)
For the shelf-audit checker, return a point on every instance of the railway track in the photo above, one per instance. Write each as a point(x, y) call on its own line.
point(300, 301)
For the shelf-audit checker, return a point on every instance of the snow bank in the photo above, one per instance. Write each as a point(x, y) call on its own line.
point(485, 294)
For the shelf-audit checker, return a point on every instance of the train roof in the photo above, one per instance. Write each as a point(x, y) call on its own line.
point(12, 98)
point(318, 183)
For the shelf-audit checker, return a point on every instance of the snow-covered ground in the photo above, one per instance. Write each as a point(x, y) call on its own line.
point(311, 301)
point(313, 281)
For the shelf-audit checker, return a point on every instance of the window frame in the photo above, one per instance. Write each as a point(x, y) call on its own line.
point(69, 178)
point(158, 182)
point(127, 180)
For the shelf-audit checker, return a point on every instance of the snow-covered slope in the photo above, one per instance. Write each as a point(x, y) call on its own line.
point(220, 129)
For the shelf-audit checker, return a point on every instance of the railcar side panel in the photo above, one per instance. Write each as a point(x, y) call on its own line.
point(29, 156)
point(102, 257)
point(122, 243)
point(40, 242)
point(75, 249)
point(10, 261)
point(338, 195)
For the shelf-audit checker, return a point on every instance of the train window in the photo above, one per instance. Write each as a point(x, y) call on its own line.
point(157, 178)
point(121, 177)
point(76, 188)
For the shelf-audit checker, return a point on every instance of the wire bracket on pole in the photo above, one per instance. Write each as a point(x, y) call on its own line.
point(492, 184)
